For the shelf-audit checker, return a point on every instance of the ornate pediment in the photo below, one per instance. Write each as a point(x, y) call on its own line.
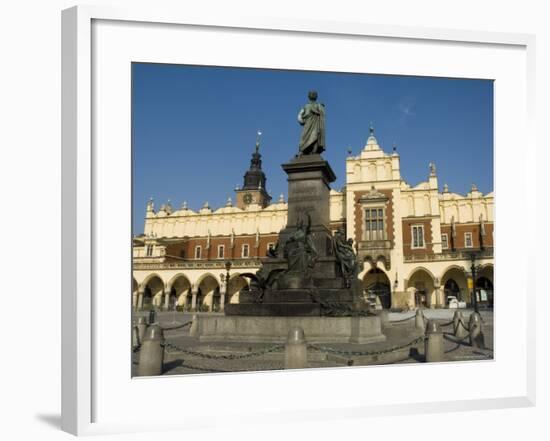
point(373, 196)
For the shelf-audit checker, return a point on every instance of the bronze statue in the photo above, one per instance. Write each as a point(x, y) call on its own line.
point(312, 117)
point(344, 252)
point(300, 251)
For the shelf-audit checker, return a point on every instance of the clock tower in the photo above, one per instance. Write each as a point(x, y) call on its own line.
point(254, 190)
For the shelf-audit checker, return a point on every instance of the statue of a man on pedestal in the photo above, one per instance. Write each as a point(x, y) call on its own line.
point(312, 117)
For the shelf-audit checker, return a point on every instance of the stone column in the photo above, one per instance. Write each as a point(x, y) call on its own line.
point(194, 299)
point(166, 300)
point(140, 300)
point(437, 291)
point(134, 300)
point(223, 289)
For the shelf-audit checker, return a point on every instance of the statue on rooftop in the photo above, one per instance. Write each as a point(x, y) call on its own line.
point(312, 118)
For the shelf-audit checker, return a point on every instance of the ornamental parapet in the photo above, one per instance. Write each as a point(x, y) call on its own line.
point(210, 264)
point(449, 255)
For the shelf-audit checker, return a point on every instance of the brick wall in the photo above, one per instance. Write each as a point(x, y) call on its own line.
point(469, 228)
point(359, 215)
point(407, 236)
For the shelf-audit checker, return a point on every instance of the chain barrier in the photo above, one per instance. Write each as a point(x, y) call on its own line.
point(204, 369)
point(172, 328)
point(177, 349)
point(404, 320)
point(453, 349)
point(359, 353)
point(459, 342)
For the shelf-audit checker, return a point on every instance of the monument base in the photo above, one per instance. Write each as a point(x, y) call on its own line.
point(289, 302)
point(256, 329)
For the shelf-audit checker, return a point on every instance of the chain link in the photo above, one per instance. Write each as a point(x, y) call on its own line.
point(458, 342)
point(447, 336)
point(177, 349)
point(405, 319)
point(358, 353)
point(172, 328)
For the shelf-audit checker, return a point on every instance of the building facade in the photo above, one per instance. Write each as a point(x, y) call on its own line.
point(414, 244)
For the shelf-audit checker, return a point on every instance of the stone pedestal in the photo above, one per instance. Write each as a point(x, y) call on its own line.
point(309, 179)
point(359, 330)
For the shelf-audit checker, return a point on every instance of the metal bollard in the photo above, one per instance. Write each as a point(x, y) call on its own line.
point(434, 342)
point(194, 329)
point(296, 349)
point(419, 321)
point(141, 327)
point(459, 326)
point(477, 339)
point(151, 356)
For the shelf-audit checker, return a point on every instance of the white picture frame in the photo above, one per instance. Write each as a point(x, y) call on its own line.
point(87, 381)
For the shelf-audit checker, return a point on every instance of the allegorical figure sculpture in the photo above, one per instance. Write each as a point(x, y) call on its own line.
point(300, 251)
point(312, 117)
point(344, 252)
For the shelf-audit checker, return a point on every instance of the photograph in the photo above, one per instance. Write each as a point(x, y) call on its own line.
point(288, 219)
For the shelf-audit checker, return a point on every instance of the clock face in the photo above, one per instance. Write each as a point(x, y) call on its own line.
point(247, 198)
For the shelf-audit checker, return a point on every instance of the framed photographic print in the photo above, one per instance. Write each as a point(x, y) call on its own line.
point(260, 208)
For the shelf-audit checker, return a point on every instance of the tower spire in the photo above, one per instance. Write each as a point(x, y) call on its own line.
point(254, 180)
point(259, 134)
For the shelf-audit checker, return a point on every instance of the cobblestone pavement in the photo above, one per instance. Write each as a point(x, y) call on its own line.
point(400, 332)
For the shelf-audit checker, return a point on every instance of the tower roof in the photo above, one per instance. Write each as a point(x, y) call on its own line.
point(254, 178)
point(372, 142)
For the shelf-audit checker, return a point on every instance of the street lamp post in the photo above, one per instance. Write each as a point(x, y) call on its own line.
point(474, 269)
point(227, 268)
point(395, 285)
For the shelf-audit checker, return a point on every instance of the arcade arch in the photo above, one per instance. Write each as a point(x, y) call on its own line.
point(237, 283)
point(153, 292)
point(208, 293)
point(455, 283)
point(422, 281)
point(180, 291)
point(377, 284)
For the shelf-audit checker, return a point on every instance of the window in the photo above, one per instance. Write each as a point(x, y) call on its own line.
point(374, 224)
point(444, 241)
point(198, 252)
point(221, 251)
point(468, 240)
point(270, 246)
point(245, 250)
point(418, 236)
point(149, 250)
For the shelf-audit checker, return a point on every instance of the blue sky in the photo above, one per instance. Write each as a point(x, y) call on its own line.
point(194, 128)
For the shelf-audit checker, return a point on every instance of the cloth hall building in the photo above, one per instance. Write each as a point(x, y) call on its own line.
point(414, 243)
